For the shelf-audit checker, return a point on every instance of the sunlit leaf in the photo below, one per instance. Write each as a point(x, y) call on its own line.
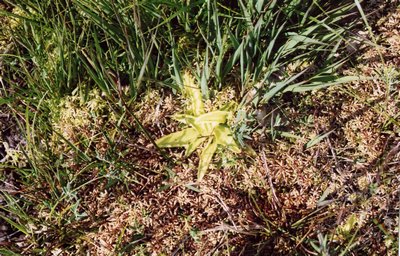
point(194, 145)
point(218, 116)
point(317, 139)
point(182, 118)
point(224, 137)
point(204, 129)
point(194, 94)
point(280, 86)
point(322, 82)
point(207, 129)
point(14, 224)
point(229, 107)
point(204, 126)
point(205, 158)
point(178, 139)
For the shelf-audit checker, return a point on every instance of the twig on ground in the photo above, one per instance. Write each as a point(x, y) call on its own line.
point(389, 156)
point(276, 201)
point(337, 164)
point(219, 200)
point(242, 230)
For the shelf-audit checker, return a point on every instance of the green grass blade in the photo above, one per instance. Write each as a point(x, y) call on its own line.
point(317, 139)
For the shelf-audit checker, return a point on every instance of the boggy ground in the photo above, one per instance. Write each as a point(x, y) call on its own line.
point(282, 201)
point(343, 189)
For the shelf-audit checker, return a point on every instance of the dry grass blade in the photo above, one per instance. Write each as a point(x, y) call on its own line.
point(276, 201)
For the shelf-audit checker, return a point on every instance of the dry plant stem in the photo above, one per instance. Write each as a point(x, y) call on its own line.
point(182, 241)
point(219, 200)
point(241, 230)
point(300, 242)
point(220, 244)
point(10, 191)
point(340, 217)
point(6, 51)
point(145, 132)
point(338, 168)
point(142, 147)
point(277, 204)
point(392, 153)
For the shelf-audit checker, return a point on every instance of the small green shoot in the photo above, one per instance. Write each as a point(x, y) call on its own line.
point(317, 139)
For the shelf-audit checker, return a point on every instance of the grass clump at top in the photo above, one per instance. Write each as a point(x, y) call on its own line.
point(76, 69)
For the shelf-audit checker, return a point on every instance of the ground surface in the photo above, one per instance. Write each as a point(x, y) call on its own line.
point(344, 188)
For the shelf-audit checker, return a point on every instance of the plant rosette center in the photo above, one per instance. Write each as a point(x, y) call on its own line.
point(210, 129)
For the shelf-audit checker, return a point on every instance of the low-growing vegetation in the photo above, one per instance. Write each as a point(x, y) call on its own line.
point(291, 108)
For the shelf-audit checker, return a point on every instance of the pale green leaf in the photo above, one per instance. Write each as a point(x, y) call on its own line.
point(349, 225)
point(194, 94)
point(182, 118)
point(207, 129)
point(193, 145)
point(190, 119)
point(250, 151)
point(231, 106)
point(203, 128)
point(193, 188)
point(304, 39)
point(224, 137)
point(215, 116)
point(205, 158)
point(314, 141)
point(178, 139)
point(234, 147)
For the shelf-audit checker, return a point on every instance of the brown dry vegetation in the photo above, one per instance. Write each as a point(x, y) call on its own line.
point(275, 203)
